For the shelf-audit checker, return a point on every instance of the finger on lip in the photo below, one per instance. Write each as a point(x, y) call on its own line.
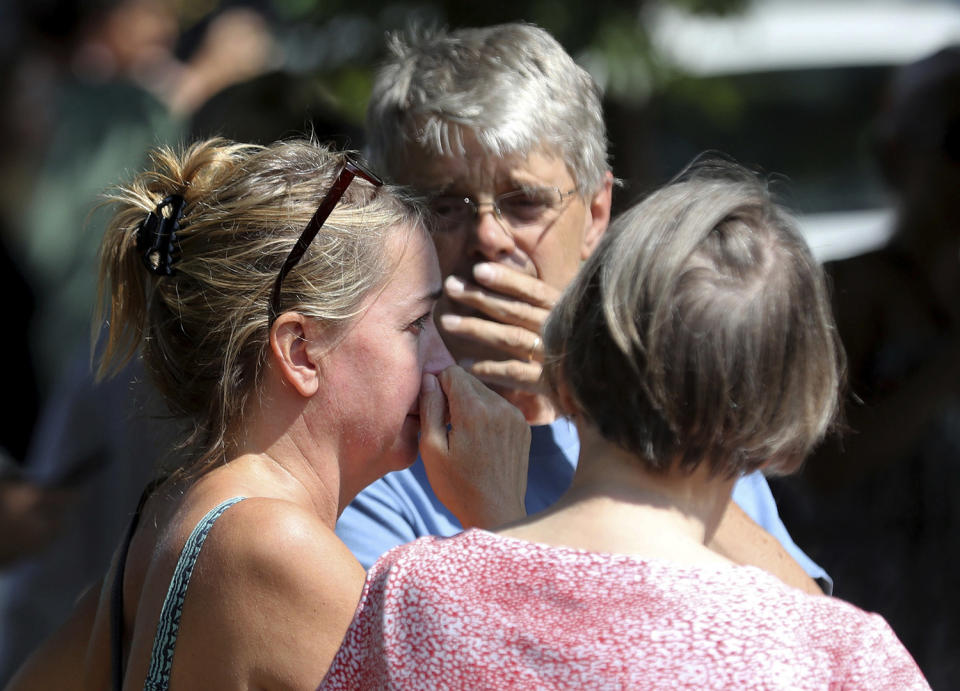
point(454, 285)
point(484, 271)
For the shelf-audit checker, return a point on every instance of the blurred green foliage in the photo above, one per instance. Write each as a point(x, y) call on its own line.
point(340, 42)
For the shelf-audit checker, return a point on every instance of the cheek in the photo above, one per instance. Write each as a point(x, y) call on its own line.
point(557, 255)
point(557, 263)
point(403, 378)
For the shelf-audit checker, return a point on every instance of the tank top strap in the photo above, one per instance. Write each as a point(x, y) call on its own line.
point(168, 626)
point(117, 659)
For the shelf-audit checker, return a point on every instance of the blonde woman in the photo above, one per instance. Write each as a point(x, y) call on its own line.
point(281, 299)
point(696, 344)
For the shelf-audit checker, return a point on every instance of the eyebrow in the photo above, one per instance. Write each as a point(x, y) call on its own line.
point(532, 184)
point(514, 186)
point(432, 297)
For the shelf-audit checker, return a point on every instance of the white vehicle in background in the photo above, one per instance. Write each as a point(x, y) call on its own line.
point(791, 86)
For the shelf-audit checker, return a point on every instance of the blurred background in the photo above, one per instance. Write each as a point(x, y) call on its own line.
point(852, 107)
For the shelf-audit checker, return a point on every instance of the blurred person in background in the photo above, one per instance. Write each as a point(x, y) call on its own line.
point(80, 117)
point(29, 513)
point(893, 481)
point(504, 132)
point(98, 84)
point(117, 80)
point(20, 135)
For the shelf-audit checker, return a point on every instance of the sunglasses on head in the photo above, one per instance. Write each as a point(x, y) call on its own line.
point(351, 168)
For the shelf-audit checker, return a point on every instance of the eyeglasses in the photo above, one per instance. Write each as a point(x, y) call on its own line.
point(518, 209)
point(351, 168)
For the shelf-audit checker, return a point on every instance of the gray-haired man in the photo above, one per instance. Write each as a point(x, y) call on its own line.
point(505, 134)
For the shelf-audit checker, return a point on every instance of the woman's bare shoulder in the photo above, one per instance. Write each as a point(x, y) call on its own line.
point(275, 536)
point(272, 594)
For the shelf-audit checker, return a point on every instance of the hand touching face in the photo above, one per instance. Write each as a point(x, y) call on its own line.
point(500, 280)
point(500, 314)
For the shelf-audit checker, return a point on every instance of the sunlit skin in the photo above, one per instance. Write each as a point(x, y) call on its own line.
point(372, 373)
point(500, 283)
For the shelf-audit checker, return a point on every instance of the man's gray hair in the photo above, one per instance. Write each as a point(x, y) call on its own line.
point(512, 86)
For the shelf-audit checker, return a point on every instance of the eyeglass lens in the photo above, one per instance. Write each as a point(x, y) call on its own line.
point(519, 208)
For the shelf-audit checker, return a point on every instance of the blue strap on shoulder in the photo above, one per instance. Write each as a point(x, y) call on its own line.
point(168, 626)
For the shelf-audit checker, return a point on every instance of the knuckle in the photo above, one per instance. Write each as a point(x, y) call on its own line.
point(516, 370)
point(518, 338)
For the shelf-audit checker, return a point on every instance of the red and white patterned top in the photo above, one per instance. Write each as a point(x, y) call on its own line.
point(482, 611)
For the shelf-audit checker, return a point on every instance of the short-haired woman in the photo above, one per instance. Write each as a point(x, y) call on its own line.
point(281, 298)
point(695, 345)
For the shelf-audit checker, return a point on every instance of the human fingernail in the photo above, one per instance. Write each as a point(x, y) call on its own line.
point(483, 271)
point(454, 285)
point(430, 382)
point(449, 321)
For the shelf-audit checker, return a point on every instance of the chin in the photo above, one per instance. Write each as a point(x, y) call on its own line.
point(407, 446)
point(402, 461)
point(409, 461)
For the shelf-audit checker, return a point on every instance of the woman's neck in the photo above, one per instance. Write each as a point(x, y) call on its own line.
point(615, 505)
point(281, 448)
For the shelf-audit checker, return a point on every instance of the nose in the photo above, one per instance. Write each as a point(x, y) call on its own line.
point(490, 237)
point(436, 356)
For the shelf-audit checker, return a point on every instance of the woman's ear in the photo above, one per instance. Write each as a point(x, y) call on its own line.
point(292, 356)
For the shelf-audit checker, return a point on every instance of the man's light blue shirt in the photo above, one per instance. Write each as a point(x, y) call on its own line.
point(401, 506)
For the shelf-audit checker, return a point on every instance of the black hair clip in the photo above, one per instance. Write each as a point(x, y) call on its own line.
point(157, 234)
